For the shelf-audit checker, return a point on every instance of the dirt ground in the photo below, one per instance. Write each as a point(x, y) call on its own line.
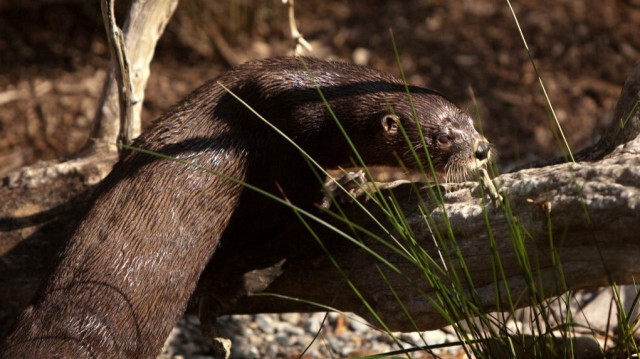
point(53, 59)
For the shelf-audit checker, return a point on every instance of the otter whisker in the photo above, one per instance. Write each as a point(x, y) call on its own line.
point(416, 148)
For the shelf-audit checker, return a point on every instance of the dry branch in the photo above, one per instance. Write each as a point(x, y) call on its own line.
point(587, 214)
point(129, 127)
point(300, 44)
point(597, 250)
point(142, 30)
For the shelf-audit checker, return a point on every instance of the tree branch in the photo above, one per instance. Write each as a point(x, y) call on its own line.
point(128, 127)
point(142, 30)
point(584, 213)
point(587, 210)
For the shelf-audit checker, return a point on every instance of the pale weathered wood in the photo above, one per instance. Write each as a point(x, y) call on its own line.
point(143, 27)
point(591, 210)
point(597, 251)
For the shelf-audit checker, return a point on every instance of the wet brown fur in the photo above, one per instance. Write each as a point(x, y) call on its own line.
point(132, 264)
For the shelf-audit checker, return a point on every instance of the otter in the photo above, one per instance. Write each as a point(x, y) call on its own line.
point(128, 271)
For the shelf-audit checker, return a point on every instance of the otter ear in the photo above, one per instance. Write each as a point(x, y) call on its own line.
point(390, 124)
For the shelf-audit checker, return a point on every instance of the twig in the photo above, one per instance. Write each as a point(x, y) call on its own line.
point(490, 188)
point(122, 73)
point(297, 37)
point(142, 29)
point(12, 95)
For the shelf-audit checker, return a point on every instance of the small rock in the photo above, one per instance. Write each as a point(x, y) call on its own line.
point(244, 351)
point(361, 56)
point(246, 332)
point(378, 347)
point(436, 337)
point(190, 348)
point(383, 337)
point(193, 320)
point(335, 344)
point(313, 324)
point(221, 347)
point(332, 317)
point(293, 330)
point(282, 339)
point(272, 351)
point(305, 339)
point(254, 353)
point(358, 326)
point(265, 323)
point(239, 344)
point(268, 338)
point(293, 318)
point(346, 350)
point(313, 353)
point(414, 338)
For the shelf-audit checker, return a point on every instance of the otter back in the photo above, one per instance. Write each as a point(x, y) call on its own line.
point(132, 264)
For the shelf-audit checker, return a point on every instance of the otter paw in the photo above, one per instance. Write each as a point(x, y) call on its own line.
point(344, 189)
point(490, 188)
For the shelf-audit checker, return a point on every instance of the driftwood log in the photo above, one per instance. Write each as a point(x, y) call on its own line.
point(587, 214)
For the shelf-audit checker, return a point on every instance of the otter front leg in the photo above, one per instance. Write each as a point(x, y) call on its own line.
point(352, 185)
point(343, 189)
point(490, 188)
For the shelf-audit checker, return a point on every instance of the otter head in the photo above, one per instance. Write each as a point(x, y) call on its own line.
point(455, 148)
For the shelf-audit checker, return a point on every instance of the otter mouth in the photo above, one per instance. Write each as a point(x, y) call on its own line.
point(457, 170)
point(461, 172)
point(477, 163)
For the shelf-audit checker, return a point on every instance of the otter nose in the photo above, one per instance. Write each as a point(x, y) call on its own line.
point(482, 150)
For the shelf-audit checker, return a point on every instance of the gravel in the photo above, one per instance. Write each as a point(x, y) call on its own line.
point(322, 335)
point(288, 335)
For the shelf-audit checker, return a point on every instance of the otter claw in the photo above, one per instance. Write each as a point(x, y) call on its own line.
point(344, 189)
point(490, 188)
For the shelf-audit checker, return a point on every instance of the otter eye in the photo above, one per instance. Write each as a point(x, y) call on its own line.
point(390, 124)
point(444, 140)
